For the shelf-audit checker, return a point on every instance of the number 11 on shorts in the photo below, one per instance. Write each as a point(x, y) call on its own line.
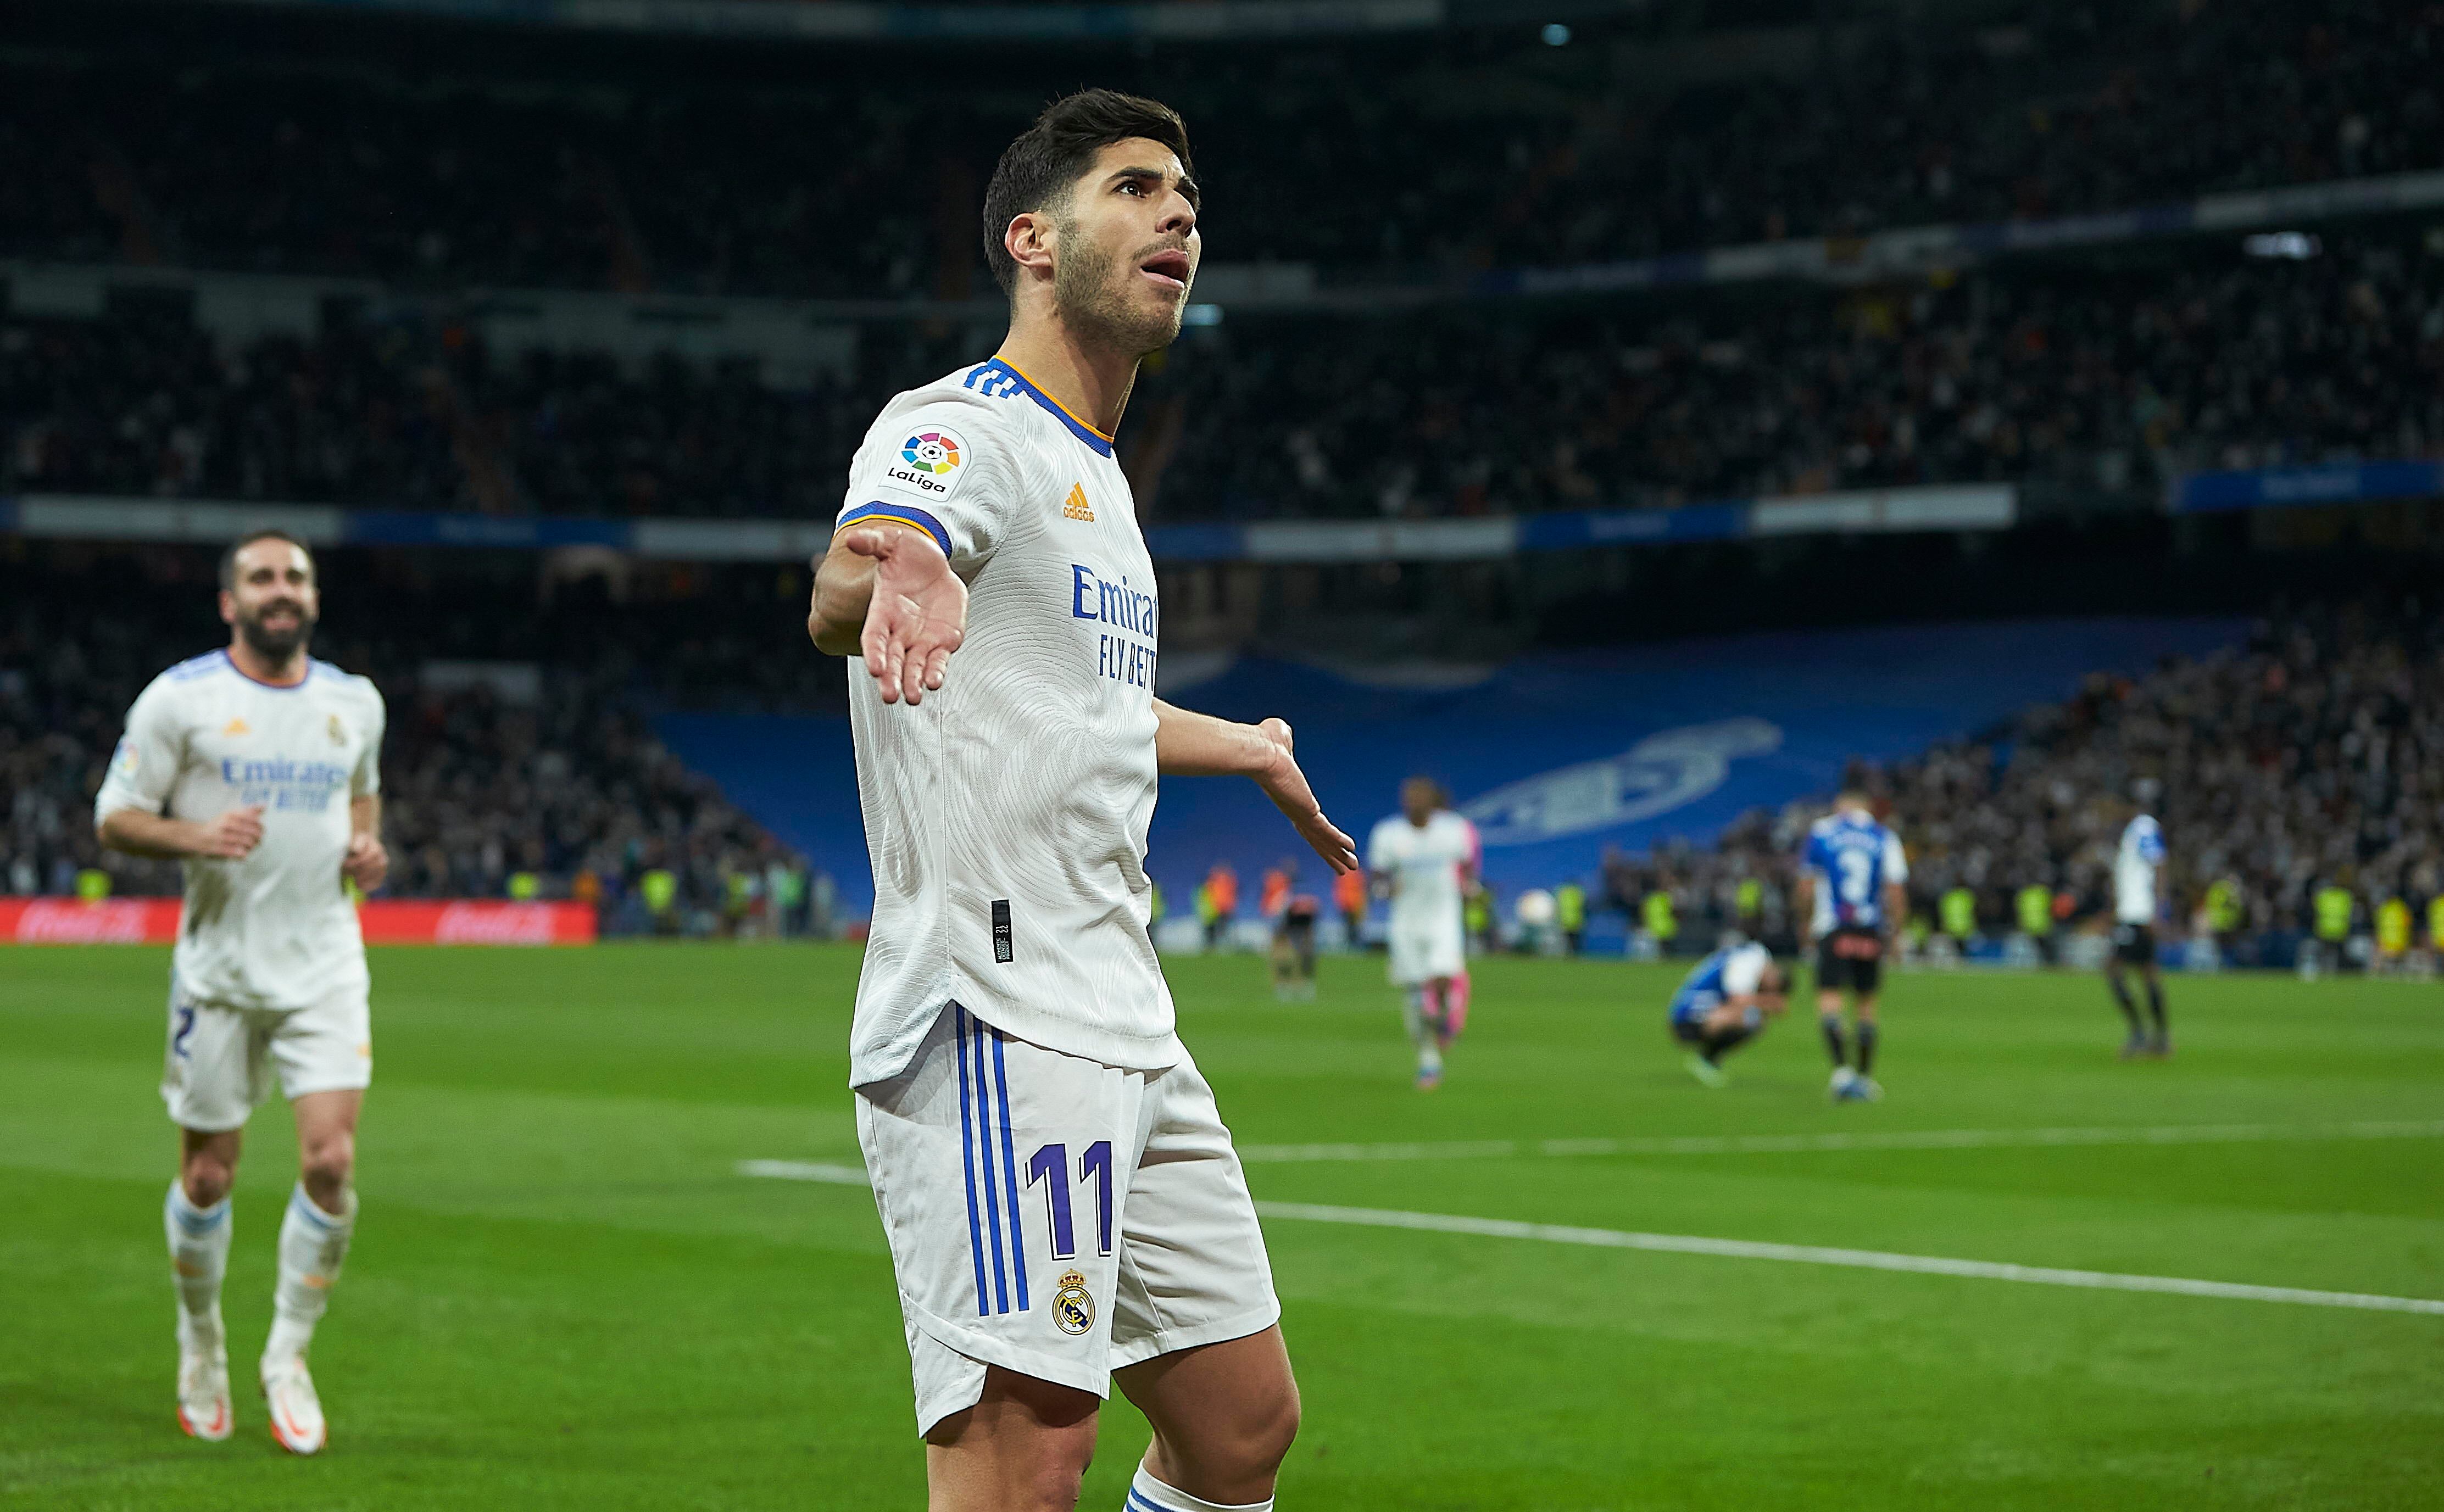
point(1050, 1166)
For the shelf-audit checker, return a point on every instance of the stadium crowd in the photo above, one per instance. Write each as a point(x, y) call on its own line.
point(521, 779)
point(1447, 153)
point(2310, 760)
point(2110, 378)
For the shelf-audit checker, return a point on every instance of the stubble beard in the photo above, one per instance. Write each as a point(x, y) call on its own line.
point(276, 646)
point(1083, 290)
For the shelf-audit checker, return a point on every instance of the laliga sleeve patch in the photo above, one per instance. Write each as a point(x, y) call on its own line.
point(932, 460)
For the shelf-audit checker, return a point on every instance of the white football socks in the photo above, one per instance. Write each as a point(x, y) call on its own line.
point(1412, 1017)
point(313, 1245)
point(199, 1247)
point(1146, 1494)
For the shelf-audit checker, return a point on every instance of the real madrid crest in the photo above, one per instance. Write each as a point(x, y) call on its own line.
point(339, 731)
point(1073, 1306)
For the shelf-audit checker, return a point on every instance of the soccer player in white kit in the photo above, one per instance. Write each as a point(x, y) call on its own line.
point(1062, 1201)
point(2134, 868)
point(257, 767)
point(1425, 858)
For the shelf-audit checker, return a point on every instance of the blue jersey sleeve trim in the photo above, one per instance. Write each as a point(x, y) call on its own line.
point(906, 514)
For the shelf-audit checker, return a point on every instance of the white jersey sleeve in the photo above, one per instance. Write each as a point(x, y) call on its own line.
point(1744, 969)
point(365, 780)
point(1896, 861)
point(145, 766)
point(1381, 854)
point(947, 465)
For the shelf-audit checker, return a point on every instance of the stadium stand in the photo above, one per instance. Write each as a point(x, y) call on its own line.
point(1450, 152)
point(2306, 757)
point(2110, 378)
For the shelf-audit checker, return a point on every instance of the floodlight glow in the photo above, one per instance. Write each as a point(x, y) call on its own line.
point(2297, 246)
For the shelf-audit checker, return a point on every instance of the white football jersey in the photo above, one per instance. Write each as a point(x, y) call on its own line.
point(1007, 813)
point(2134, 871)
point(273, 928)
point(1426, 864)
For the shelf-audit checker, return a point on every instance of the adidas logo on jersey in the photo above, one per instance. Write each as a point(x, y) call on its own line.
point(235, 727)
point(1077, 507)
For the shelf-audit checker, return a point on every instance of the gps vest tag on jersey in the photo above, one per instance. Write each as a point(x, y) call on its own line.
point(1001, 930)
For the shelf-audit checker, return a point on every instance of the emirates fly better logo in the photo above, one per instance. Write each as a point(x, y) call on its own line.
point(930, 461)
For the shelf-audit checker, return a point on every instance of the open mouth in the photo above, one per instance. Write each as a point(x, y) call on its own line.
point(1168, 267)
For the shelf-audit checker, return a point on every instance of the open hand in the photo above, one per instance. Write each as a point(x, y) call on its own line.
point(367, 862)
point(1287, 787)
point(918, 612)
point(233, 834)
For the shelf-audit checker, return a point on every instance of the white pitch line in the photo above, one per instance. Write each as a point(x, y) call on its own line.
point(1852, 1259)
point(1730, 1248)
point(1904, 1139)
point(805, 1171)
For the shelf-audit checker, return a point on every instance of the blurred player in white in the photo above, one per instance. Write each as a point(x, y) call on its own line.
point(2136, 903)
point(257, 767)
point(1851, 873)
point(1063, 1202)
point(1425, 858)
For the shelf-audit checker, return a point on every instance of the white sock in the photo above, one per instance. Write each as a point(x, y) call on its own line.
point(313, 1245)
point(1146, 1494)
point(199, 1247)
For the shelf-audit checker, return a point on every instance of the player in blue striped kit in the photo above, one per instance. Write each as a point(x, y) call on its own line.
point(1724, 1003)
point(1850, 877)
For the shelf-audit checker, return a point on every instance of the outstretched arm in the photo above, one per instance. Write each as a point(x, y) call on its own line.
point(885, 591)
point(1189, 745)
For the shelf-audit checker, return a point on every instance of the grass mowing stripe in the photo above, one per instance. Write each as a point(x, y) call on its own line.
point(1735, 1248)
point(2210, 1133)
point(1852, 1259)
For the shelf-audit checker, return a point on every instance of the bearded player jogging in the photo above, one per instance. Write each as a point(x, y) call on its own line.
point(1061, 1198)
point(256, 766)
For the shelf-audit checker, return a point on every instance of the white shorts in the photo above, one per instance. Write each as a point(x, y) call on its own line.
point(1421, 952)
point(219, 1059)
point(1055, 1216)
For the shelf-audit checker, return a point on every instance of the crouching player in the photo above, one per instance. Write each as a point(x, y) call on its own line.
point(1724, 1003)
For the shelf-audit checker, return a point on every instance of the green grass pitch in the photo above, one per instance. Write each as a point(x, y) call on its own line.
point(562, 1295)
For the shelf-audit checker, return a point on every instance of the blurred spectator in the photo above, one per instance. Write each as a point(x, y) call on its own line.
point(1439, 152)
point(2107, 382)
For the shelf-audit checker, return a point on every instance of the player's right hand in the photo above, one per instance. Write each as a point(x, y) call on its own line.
point(917, 614)
point(233, 834)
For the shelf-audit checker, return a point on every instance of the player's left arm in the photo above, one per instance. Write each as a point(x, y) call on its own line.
point(1192, 745)
point(1896, 888)
point(367, 861)
point(1729, 1012)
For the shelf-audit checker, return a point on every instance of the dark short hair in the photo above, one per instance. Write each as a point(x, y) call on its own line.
point(228, 558)
point(1048, 158)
